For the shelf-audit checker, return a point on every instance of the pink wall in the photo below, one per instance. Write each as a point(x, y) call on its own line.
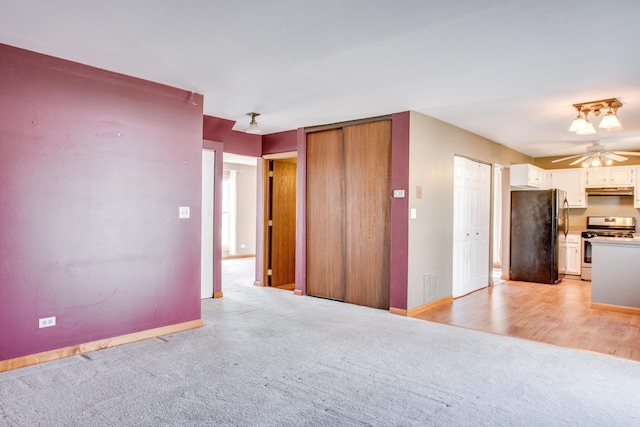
point(242, 143)
point(93, 168)
point(281, 142)
point(399, 210)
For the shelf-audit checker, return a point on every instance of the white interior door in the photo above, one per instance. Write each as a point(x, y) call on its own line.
point(207, 233)
point(471, 219)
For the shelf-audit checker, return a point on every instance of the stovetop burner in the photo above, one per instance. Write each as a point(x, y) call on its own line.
point(610, 226)
point(600, 233)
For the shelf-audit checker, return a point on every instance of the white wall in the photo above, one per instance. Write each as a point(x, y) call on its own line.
point(433, 144)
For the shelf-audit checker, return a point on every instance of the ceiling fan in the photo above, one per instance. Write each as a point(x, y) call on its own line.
point(597, 155)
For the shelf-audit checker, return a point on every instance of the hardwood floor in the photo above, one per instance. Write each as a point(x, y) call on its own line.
point(553, 314)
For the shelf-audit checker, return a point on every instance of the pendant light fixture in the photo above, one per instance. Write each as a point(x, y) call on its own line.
point(587, 128)
point(253, 125)
point(581, 124)
point(611, 120)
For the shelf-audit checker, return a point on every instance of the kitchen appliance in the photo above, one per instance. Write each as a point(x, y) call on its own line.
point(607, 226)
point(537, 219)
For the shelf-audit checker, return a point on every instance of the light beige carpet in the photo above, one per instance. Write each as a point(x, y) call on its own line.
point(268, 358)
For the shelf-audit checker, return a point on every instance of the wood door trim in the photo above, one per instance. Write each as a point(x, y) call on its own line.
point(279, 156)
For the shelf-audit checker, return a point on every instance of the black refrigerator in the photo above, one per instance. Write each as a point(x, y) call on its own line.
point(538, 218)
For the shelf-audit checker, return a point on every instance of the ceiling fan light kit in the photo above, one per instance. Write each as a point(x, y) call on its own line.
point(581, 124)
point(597, 155)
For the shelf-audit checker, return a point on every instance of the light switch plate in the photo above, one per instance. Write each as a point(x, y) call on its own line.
point(184, 212)
point(398, 194)
point(413, 213)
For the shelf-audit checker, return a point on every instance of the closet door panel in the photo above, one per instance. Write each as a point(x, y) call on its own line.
point(367, 176)
point(325, 215)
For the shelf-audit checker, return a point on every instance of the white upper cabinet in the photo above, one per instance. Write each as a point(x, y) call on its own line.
point(610, 176)
point(572, 181)
point(528, 176)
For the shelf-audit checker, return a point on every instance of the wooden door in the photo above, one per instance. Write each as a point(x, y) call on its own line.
point(282, 254)
point(367, 183)
point(325, 215)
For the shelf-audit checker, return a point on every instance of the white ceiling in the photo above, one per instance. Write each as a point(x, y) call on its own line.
point(508, 70)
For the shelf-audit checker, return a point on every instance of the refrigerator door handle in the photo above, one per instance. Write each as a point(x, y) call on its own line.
point(566, 222)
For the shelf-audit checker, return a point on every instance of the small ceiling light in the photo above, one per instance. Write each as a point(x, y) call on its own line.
point(581, 124)
point(588, 128)
point(253, 125)
point(610, 120)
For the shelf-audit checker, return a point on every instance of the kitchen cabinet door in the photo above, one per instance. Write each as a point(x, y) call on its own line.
point(569, 259)
point(527, 176)
point(610, 176)
point(573, 182)
point(621, 176)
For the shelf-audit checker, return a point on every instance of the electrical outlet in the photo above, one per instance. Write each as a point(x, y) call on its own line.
point(184, 212)
point(47, 322)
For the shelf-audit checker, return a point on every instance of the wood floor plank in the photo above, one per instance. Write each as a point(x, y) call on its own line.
point(553, 314)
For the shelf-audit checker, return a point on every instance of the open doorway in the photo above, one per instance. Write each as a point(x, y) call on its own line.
point(238, 224)
point(280, 181)
point(239, 192)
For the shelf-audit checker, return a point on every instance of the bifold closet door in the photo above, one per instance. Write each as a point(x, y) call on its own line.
point(367, 183)
point(325, 215)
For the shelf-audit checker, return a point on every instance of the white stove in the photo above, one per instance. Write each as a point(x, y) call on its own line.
point(603, 226)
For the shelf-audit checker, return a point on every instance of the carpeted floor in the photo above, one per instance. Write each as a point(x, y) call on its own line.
point(268, 358)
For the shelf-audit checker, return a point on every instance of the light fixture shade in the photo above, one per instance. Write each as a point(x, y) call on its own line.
point(253, 125)
point(578, 123)
point(588, 129)
point(254, 128)
point(610, 121)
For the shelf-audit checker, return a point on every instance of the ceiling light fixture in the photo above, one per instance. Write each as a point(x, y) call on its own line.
point(581, 124)
point(253, 125)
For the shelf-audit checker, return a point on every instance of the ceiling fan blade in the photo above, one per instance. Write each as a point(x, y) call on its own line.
point(616, 157)
point(567, 158)
point(628, 153)
point(581, 159)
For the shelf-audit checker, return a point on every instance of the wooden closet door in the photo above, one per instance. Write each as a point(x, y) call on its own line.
point(325, 215)
point(283, 229)
point(367, 183)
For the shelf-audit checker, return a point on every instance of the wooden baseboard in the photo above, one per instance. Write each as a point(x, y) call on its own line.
point(217, 294)
point(618, 308)
point(46, 356)
point(422, 308)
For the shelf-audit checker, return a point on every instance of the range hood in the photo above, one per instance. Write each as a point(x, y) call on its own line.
point(609, 191)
